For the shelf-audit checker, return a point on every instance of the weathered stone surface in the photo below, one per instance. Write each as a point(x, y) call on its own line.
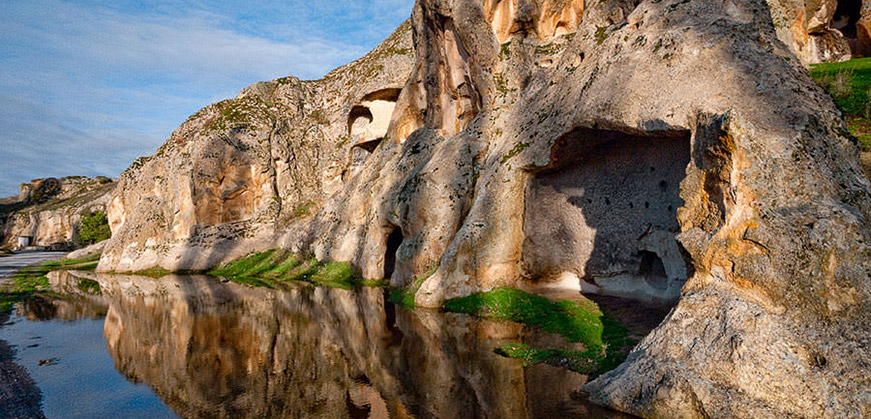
point(819, 30)
point(772, 224)
point(49, 210)
point(520, 154)
point(239, 170)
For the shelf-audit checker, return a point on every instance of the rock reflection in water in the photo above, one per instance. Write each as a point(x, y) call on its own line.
point(76, 297)
point(227, 350)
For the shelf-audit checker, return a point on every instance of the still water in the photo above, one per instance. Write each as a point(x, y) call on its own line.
point(191, 346)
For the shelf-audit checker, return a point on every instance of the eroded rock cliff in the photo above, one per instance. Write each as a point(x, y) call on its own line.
point(667, 150)
point(239, 170)
point(658, 143)
point(48, 212)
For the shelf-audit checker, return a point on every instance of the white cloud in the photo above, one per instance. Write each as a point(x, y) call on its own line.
point(86, 89)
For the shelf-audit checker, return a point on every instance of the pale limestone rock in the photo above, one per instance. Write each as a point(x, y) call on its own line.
point(49, 210)
point(240, 170)
point(528, 163)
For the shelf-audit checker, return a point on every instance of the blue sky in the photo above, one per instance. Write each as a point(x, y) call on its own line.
point(86, 87)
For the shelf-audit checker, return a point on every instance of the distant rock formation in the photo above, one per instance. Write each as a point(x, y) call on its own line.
point(47, 212)
point(665, 150)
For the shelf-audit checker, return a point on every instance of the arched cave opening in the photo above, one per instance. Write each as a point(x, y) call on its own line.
point(605, 212)
point(358, 119)
point(388, 95)
point(359, 155)
point(847, 15)
point(394, 240)
point(602, 220)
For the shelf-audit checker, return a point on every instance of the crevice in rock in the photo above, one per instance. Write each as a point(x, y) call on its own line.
point(394, 240)
point(603, 216)
point(458, 99)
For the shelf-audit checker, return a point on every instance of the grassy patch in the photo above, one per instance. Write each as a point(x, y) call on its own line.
point(33, 279)
point(605, 340)
point(89, 286)
point(405, 296)
point(578, 361)
point(849, 83)
point(84, 264)
point(270, 268)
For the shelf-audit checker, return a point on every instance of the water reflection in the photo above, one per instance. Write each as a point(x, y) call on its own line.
point(225, 350)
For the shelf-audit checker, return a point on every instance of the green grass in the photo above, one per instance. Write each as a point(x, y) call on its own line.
point(578, 361)
point(271, 268)
point(849, 83)
point(605, 340)
point(33, 279)
point(405, 296)
point(89, 286)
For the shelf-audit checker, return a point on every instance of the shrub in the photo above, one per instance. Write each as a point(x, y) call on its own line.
point(93, 228)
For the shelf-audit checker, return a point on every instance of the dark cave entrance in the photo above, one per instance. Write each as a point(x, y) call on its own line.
point(394, 240)
point(605, 212)
point(846, 17)
point(359, 155)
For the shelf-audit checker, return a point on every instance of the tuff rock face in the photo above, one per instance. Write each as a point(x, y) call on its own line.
point(665, 150)
point(238, 171)
point(823, 30)
point(658, 142)
point(49, 210)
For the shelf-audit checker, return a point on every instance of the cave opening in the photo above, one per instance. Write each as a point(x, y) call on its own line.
point(394, 240)
point(605, 212)
point(359, 155)
point(358, 119)
point(847, 15)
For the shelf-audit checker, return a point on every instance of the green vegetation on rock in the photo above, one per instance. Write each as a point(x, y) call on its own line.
point(604, 339)
point(271, 268)
point(578, 361)
point(94, 228)
point(849, 83)
point(405, 296)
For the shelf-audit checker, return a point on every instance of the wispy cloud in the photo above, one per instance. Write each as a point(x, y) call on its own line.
point(87, 87)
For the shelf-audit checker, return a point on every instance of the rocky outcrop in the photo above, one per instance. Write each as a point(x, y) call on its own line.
point(663, 150)
point(823, 30)
point(238, 171)
point(661, 142)
point(48, 211)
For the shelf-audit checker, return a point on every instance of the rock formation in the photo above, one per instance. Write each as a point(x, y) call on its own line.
point(823, 30)
point(661, 149)
point(48, 211)
point(238, 171)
